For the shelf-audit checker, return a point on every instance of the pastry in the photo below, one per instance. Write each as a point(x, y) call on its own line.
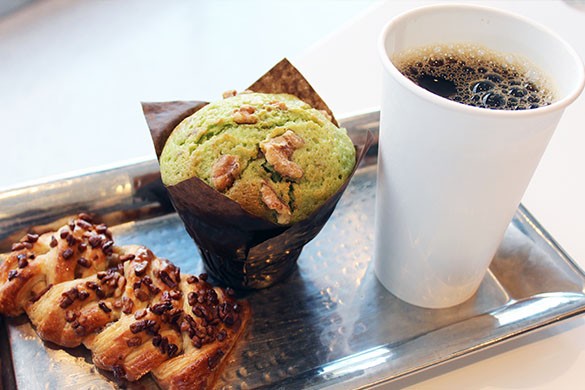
point(135, 311)
point(273, 154)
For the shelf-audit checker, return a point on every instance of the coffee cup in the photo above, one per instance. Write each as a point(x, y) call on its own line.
point(451, 175)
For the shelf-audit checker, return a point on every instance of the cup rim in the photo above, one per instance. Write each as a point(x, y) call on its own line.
point(559, 104)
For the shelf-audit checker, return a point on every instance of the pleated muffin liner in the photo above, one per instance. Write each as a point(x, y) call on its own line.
point(240, 249)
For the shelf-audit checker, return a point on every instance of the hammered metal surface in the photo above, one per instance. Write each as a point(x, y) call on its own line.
point(330, 323)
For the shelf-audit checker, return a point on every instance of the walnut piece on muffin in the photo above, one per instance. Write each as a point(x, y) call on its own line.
point(275, 155)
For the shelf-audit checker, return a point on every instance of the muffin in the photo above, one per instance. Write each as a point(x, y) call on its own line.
point(273, 154)
point(256, 176)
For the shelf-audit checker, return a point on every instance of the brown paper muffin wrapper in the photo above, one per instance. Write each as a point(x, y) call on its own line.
point(239, 249)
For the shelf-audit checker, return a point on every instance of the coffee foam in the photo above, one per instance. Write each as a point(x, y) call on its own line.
point(477, 76)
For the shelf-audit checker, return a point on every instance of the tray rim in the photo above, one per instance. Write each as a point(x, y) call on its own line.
point(522, 332)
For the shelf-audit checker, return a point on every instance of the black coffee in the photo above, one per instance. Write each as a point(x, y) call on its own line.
point(476, 76)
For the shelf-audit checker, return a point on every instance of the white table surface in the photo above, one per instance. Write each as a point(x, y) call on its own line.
point(72, 75)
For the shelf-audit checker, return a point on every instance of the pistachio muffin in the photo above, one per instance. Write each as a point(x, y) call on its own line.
point(275, 155)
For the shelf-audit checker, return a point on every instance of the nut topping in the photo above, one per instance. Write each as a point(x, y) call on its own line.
point(144, 254)
point(65, 302)
point(70, 316)
point(82, 261)
point(80, 330)
point(140, 268)
point(22, 260)
point(127, 305)
point(100, 293)
point(12, 274)
point(229, 93)
point(17, 246)
point(273, 202)
point(141, 325)
point(127, 257)
point(95, 241)
point(327, 115)
point(83, 224)
point(108, 247)
point(104, 307)
point(278, 152)
point(141, 295)
point(91, 285)
point(244, 115)
point(83, 295)
point(134, 341)
point(278, 105)
point(225, 171)
point(32, 237)
point(172, 350)
point(161, 307)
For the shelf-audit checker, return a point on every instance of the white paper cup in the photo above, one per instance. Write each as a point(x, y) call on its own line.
point(451, 176)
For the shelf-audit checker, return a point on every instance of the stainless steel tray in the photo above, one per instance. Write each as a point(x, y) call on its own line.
point(330, 324)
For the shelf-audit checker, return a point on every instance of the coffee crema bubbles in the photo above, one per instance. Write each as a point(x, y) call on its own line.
point(476, 76)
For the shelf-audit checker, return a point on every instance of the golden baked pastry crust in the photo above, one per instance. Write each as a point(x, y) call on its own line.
point(198, 367)
point(37, 262)
point(135, 311)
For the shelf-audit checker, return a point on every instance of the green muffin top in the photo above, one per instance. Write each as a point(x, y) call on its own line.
point(275, 155)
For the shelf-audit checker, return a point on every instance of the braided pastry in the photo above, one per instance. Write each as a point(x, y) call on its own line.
point(136, 312)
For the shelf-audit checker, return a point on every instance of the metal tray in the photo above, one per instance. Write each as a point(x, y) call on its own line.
point(330, 323)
